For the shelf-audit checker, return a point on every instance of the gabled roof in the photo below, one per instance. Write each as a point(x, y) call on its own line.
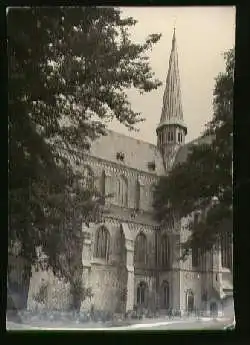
point(137, 153)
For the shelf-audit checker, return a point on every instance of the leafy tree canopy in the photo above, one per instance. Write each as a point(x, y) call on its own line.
point(69, 68)
point(204, 181)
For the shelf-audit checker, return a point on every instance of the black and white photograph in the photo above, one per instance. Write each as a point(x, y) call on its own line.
point(120, 124)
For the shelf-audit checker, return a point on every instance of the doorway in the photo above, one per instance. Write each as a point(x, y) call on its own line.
point(213, 309)
point(190, 301)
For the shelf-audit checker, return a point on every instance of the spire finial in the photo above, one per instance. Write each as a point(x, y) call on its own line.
point(172, 106)
point(173, 40)
point(174, 24)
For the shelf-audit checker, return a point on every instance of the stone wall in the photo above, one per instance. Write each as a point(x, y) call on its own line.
point(104, 276)
point(106, 287)
point(58, 296)
point(133, 177)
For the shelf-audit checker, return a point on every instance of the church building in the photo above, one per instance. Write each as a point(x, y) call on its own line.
point(129, 260)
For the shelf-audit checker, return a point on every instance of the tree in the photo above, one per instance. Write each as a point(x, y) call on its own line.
point(204, 181)
point(68, 72)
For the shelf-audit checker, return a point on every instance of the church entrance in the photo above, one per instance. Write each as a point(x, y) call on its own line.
point(213, 309)
point(141, 294)
point(165, 295)
point(190, 301)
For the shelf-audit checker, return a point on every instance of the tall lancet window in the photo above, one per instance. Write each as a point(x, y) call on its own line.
point(140, 249)
point(151, 195)
point(102, 241)
point(195, 250)
point(165, 251)
point(203, 259)
point(165, 294)
point(137, 195)
point(141, 293)
point(122, 191)
point(103, 180)
point(87, 180)
point(189, 301)
point(226, 251)
point(179, 137)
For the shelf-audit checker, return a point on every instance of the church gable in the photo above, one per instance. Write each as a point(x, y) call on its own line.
point(129, 152)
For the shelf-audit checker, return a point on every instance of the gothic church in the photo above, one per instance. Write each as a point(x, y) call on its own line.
point(129, 260)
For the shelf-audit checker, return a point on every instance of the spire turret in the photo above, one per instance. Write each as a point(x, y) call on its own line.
point(172, 106)
point(171, 129)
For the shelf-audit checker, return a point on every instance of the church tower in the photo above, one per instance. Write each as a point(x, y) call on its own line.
point(171, 130)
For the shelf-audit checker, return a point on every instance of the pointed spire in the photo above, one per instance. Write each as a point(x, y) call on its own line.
point(172, 112)
point(173, 40)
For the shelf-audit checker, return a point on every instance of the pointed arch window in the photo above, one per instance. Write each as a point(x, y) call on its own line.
point(141, 293)
point(140, 249)
point(165, 251)
point(195, 250)
point(195, 257)
point(203, 259)
point(87, 180)
point(172, 136)
point(226, 251)
point(165, 294)
point(151, 195)
point(137, 195)
point(122, 191)
point(103, 180)
point(189, 301)
point(102, 243)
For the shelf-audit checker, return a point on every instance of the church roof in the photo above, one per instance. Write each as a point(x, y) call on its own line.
point(172, 112)
point(138, 154)
point(184, 150)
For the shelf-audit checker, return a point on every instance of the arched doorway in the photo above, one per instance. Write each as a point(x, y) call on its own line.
point(190, 301)
point(213, 309)
point(141, 294)
point(165, 295)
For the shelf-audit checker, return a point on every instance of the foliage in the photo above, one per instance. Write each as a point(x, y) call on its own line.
point(68, 71)
point(204, 181)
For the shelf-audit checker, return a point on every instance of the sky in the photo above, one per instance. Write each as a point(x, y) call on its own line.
point(203, 34)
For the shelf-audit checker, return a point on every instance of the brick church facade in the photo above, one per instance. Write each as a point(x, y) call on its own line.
point(129, 254)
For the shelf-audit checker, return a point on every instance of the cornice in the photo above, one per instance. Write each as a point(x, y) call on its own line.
point(133, 225)
point(112, 166)
point(121, 168)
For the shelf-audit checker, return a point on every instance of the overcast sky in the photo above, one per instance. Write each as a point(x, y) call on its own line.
point(202, 35)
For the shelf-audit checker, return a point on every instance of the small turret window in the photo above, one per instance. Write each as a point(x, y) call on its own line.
point(172, 136)
point(169, 136)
